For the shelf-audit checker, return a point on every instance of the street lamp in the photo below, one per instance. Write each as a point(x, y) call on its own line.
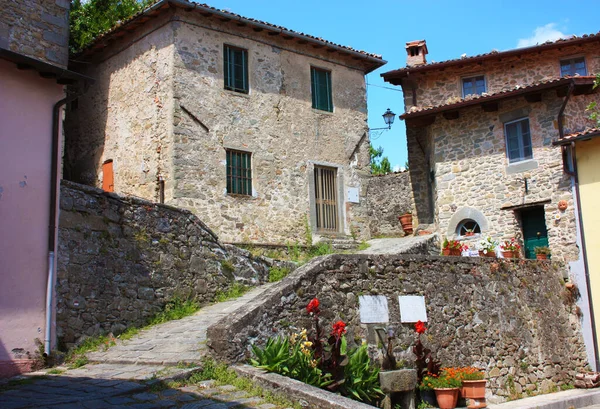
point(388, 117)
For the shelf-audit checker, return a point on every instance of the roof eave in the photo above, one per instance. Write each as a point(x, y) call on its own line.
point(568, 141)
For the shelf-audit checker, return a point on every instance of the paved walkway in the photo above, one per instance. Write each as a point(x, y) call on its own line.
point(134, 373)
point(395, 245)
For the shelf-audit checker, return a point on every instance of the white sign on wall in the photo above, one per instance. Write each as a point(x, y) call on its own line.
point(373, 309)
point(353, 195)
point(412, 308)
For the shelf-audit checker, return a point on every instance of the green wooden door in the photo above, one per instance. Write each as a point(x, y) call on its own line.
point(534, 230)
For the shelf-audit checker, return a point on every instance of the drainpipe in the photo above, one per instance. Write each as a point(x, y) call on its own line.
point(585, 262)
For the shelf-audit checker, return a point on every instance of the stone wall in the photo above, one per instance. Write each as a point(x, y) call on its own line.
point(38, 29)
point(388, 197)
point(146, 115)
point(507, 317)
point(121, 259)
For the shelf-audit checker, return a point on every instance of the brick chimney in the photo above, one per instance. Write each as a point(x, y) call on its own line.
point(416, 50)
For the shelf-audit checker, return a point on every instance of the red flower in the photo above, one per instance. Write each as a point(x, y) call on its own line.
point(339, 329)
point(313, 306)
point(420, 327)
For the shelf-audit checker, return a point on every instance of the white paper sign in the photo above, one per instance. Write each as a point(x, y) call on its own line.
point(412, 308)
point(373, 309)
point(353, 195)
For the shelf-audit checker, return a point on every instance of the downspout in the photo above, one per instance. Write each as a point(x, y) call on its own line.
point(54, 169)
point(585, 262)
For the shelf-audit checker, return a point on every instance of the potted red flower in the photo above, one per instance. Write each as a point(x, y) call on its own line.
point(510, 248)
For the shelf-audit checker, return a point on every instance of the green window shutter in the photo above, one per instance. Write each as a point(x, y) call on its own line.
point(321, 89)
point(235, 69)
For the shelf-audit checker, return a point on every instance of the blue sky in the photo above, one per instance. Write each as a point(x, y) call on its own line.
point(451, 28)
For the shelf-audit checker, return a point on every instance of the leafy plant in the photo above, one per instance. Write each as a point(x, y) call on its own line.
point(425, 363)
point(487, 245)
point(174, 309)
point(235, 291)
point(593, 106)
point(510, 245)
point(278, 273)
point(542, 250)
point(451, 245)
point(361, 379)
point(444, 380)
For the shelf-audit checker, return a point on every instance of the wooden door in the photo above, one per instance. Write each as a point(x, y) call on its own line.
point(326, 199)
point(108, 183)
point(535, 233)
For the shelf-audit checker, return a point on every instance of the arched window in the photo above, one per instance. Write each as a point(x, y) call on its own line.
point(467, 227)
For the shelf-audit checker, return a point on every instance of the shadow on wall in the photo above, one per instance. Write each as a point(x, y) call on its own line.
point(12, 367)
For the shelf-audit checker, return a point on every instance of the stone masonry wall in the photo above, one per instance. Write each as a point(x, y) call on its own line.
point(440, 87)
point(159, 111)
point(38, 29)
point(120, 259)
point(388, 197)
point(507, 317)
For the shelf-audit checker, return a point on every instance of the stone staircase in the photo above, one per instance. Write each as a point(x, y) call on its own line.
point(341, 243)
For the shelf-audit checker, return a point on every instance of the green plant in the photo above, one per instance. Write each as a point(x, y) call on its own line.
point(307, 232)
point(444, 380)
point(542, 250)
point(141, 236)
point(278, 273)
point(593, 106)
point(361, 379)
point(235, 291)
point(363, 246)
point(175, 309)
point(79, 362)
point(487, 245)
point(55, 371)
point(227, 266)
point(451, 245)
point(320, 249)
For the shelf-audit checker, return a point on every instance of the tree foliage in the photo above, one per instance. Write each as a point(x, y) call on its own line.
point(91, 18)
point(593, 106)
point(380, 165)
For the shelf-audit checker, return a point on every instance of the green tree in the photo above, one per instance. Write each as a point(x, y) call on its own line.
point(380, 165)
point(90, 19)
point(593, 106)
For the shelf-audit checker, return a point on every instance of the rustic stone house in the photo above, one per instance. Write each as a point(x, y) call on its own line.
point(258, 129)
point(479, 132)
point(480, 152)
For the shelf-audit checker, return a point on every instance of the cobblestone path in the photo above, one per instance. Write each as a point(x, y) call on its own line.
point(132, 374)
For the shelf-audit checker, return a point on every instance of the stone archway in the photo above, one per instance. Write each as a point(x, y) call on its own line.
point(465, 213)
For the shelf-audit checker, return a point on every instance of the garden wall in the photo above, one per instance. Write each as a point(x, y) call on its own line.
point(388, 197)
point(121, 259)
point(507, 317)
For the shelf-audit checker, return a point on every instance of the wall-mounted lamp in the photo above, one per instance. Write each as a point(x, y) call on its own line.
point(388, 117)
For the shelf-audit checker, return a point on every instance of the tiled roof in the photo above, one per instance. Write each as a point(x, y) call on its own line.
point(403, 72)
point(160, 5)
point(485, 97)
point(586, 133)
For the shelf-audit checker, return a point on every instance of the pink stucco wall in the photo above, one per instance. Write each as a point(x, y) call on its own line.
point(26, 102)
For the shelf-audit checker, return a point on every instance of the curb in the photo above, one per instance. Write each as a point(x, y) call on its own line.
point(575, 398)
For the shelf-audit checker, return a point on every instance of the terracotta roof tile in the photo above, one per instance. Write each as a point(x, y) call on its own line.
point(402, 72)
point(158, 5)
point(485, 97)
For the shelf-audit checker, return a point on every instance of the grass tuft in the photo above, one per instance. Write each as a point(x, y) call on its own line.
point(235, 291)
point(278, 273)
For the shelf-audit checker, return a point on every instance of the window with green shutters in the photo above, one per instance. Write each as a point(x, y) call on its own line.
point(239, 173)
point(235, 69)
point(321, 89)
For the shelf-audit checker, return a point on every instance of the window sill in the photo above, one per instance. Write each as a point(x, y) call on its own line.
point(237, 93)
point(241, 196)
point(320, 111)
point(521, 166)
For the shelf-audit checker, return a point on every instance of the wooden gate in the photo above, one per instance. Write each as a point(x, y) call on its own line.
point(326, 199)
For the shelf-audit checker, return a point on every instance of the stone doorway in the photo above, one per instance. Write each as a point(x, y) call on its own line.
point(535, 234)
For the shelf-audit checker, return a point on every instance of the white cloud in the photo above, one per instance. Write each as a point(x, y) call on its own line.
point(398, 168)
point(549, 32)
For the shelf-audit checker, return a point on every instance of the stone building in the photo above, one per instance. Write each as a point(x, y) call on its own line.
point(258, 129)
point(480, 132)
point(33, 62)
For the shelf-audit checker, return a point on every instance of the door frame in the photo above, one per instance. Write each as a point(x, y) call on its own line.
point(542, 210)
point(339, 180)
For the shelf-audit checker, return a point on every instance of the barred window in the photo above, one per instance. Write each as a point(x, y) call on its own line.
point(235, 68)
point(239, 173)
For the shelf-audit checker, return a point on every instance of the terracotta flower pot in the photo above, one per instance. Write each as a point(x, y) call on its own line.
point(446, 252)
point(455, 252)
point(488, 254)
point(508, 254)
point(406, 222)
point(469, 234)
point(541, 256)
point(446, 397)
point(475, 391)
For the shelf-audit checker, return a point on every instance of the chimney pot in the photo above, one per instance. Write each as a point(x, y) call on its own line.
point(416, 52)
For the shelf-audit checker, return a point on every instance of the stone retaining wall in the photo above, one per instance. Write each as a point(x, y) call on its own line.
point(388, 197)
point(507, 317)
point(121, 259)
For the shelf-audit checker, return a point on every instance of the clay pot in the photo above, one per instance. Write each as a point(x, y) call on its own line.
point(455, 252)
point(475, 391)
point(445, 252)
point(541, 256)
point(508, 254)
point(446, 397)
point(469, 234)
point(406, 222)
point(491, 254)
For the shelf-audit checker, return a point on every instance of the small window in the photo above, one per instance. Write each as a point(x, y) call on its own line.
point(518, 140)
point(573, 66)
point(239, 173)
point(473, 85)
point(235, 69)
point(321, 89)
point(468, 227)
